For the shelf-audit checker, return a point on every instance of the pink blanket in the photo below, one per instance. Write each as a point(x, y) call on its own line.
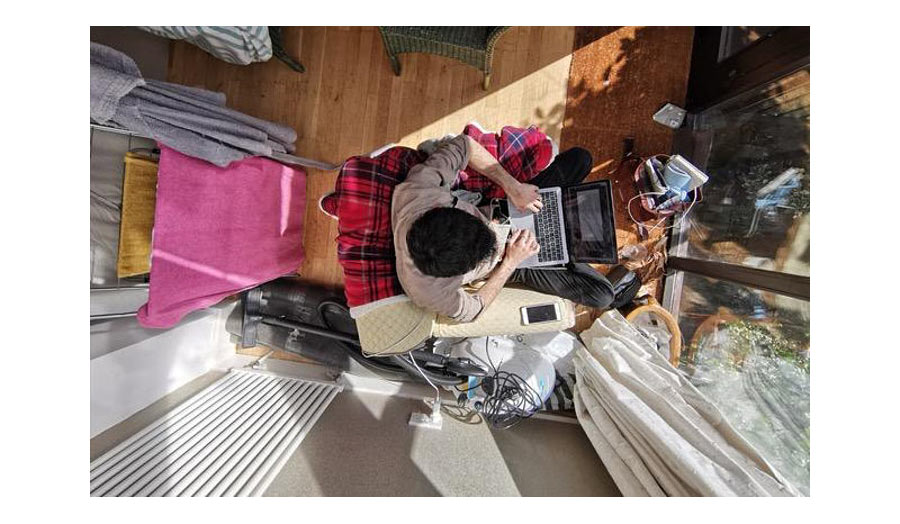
point(219, 231)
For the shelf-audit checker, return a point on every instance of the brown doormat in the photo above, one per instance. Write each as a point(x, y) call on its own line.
point(138, 207)
point(619, 77)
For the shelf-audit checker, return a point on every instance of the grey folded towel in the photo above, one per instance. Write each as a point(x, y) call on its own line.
point(190, 120)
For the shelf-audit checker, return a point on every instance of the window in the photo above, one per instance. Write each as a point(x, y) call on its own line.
point(737, 38)
point(740, 291)
point(748, 351)
point(756, 204)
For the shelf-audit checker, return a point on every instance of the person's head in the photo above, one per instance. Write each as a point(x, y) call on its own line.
point(446, 242)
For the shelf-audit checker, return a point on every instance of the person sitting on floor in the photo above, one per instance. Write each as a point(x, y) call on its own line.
point(443, 242)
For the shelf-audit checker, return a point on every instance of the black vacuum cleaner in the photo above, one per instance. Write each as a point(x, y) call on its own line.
point(315, 322)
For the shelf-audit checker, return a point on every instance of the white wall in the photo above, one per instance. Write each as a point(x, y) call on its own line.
point(132, 367)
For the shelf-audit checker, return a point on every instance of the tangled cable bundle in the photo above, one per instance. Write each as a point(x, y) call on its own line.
point(509, 399)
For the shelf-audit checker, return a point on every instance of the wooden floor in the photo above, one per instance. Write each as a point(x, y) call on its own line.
point(349, 102)
point(589, 87)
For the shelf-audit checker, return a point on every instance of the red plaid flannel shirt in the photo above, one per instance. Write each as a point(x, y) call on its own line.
point(524, 153)
point(364, 188)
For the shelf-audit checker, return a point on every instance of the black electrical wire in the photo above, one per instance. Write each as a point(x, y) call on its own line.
point(309, 328)
point(404, 370)
point(509, 399)
point(443, 380)
point(470, 388)
point(386, 370)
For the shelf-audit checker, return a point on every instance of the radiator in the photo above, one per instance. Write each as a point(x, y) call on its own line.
point(231, 439)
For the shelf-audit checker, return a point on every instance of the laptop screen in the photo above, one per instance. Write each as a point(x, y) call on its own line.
point(590, 223)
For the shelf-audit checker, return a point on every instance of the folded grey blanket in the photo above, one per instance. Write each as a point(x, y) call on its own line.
point(190, 120)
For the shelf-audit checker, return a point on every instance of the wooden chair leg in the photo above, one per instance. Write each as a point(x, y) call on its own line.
point(289, 61)
point(278, 50)
point(395, 64)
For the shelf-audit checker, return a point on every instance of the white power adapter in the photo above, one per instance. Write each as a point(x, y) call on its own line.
point(433, 420)
point(670, 116)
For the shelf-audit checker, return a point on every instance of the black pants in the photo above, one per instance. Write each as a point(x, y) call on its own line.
point(579, 283)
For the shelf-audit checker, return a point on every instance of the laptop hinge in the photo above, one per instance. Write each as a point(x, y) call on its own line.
point(569, 217)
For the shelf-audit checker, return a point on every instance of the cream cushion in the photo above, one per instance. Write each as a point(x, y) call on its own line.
point(504, 316)
point(392, 326)
point(396, 325)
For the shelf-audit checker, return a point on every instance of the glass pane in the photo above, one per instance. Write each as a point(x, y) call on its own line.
point(755, 208)
point(736, 38)
point(748, 351)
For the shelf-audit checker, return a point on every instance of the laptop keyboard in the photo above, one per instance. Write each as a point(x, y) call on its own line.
point(548, 229)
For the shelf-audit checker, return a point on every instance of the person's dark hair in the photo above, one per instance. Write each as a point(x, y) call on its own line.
point(446, 242)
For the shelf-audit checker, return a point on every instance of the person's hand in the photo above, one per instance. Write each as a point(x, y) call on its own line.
point(521, 245)
point(525, 197)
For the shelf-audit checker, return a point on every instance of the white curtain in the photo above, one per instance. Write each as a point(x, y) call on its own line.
point(656, 434)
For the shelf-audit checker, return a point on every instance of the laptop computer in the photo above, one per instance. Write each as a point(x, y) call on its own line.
point(576, 224)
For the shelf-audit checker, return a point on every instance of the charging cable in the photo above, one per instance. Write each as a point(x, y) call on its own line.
point(435, 420)
point(660, 222)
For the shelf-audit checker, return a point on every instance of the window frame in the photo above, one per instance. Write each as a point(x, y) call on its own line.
point(711, 83)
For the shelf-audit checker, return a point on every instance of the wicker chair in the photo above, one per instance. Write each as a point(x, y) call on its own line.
point(471, 45)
